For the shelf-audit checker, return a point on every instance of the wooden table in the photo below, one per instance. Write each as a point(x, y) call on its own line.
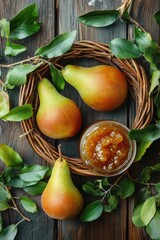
point(58, 17)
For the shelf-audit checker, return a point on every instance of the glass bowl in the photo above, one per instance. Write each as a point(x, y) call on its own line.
point(105, 148)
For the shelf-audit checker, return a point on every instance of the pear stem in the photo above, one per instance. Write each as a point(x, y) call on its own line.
point(60, 152)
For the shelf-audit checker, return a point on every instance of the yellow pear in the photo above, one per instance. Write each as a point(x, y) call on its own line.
point(102, 87)
point(58, 117)
point(61, 199)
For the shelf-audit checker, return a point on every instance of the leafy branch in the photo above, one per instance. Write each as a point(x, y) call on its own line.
point(23, 25)
point(30, 178)
point(147, 209)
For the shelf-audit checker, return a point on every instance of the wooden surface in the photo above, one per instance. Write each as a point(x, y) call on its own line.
point(59, 17)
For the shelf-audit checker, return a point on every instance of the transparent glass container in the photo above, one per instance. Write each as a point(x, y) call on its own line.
point(105, 148)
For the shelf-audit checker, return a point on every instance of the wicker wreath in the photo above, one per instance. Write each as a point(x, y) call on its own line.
point(138, 85)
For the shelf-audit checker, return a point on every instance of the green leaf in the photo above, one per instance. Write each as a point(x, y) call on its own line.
point(136, 216)
point(18, 75)
point(19, 183)
point(28, 204)
point(153, 228)
point(5, 28)
point(147, 134)
point(157, 17)
point(91, 190)
point(57, 78)
point(145, 175)
point(99, 18)
point(5, 197)
point(9, 156)
point(152, 55)
point(148, 210)
point(92, 211)
point(154, 80)
point(58, 46)
point(123, 48)
point(9, 233)
point(24, 24)
point(19, 113)
point(36, 189)
point(143, 39)
point(13, 49)
point(8, 174)
point(157, 187)
point(142, 195)
point(126, 188)
point(33, 173)
point(112, 203)
point(4, 103)
point(141, 149)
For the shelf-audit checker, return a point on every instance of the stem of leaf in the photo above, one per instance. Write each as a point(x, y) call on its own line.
point(20, 62)
point(15, 206)
point(114, 184)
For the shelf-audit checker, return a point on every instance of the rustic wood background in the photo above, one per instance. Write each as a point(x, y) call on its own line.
point(58, 17)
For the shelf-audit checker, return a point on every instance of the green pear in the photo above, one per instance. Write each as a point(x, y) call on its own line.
point(102, 87)
point(61, 199)
point(58, 117)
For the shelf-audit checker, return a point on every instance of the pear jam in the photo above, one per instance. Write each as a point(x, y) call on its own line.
point(106, 147)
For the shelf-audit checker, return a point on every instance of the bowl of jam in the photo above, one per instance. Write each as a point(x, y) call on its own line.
point(106, 149)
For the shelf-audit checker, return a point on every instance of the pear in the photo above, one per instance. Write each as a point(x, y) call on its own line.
point(102, 87)
point(57, 117)
point(60, 198)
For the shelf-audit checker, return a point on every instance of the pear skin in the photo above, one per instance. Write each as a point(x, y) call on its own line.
point(58, 117)
point(61, 199)
point(102, 87)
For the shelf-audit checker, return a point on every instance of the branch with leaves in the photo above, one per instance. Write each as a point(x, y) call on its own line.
point(23, 25)
point(32, 179)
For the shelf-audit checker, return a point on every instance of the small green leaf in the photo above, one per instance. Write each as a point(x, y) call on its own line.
point(9, 156)
point(13, 49)
point(5, 28)
point(33, 173)
point(157, 17)
point(58, 46)
point(136, 216)
point(123, 48)
point(57, 78)
point(141, 149)
point(9, 233)
point(145, 175)
point(154, 80)
point(19, 183)
point(24, 24)
point(4, 103)
point(152, 55)
point(112, 203)
point(126, 188)
point(99, 18)
point(148, 210)
point(18, 75)
point(153, 228)
point(91, 190)
point(142, 195)
point(143, 39)
point(8, 174)
point(28, 204)
point(19, 113)
point(157, 187)
point(36, 189)
point(92, 211)
point(5, 197)
point(147, 134)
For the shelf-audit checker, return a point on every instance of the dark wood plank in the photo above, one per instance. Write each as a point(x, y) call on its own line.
point(106, 224)
point(10, 132)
